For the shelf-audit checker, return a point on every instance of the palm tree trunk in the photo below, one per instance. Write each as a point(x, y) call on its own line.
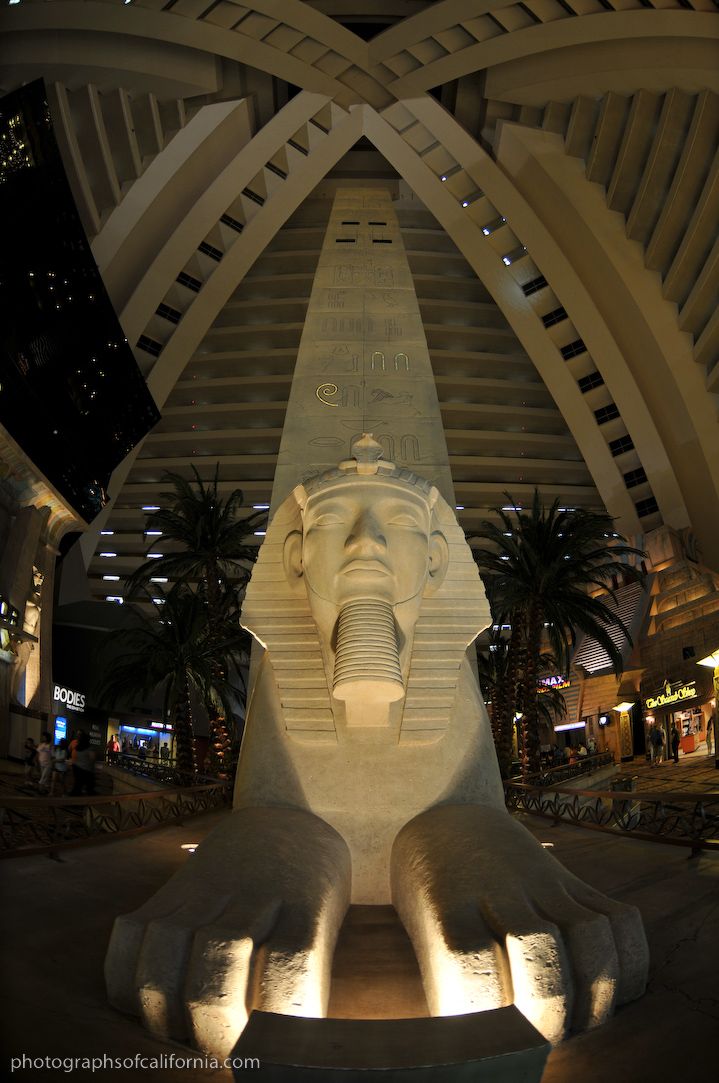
point(531, 760)
point(508, 699)
point(184, 736)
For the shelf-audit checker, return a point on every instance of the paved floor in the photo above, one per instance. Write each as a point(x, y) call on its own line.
point(696, 772)
point(57, 916)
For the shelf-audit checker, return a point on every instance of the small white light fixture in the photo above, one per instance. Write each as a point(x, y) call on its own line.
point(622, 707)
point(114, 598)
point(158, 579)
point(150, 507)
point(111, 578)
point(153, 533)
point(108, 554)
point(260, 533)
point(261, 507)
point(459, 507)
point(107, 533)
point(189, 846)
point(711, 660)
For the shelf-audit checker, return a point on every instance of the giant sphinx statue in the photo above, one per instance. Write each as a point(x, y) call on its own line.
point(368, 775)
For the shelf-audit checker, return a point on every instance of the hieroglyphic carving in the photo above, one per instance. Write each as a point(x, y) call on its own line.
point(342, 360)
point(347, 325)
point(404, 398)
point(350, 394)
point(409, 448)
point(335, 299)
point(324, 391)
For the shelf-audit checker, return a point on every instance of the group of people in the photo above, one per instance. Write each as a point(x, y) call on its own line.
point(656, 740)
point(151, 749)
point(52, 764)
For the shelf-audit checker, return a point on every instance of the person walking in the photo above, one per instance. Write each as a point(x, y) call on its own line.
point(710, 735)
point(656, 744)
point(44, 761)
point(59, 768)
point(29, 757)
point(83, 766)
point(675, 742)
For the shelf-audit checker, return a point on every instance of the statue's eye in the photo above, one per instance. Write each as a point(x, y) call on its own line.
point(404, 519)
point(329, 518)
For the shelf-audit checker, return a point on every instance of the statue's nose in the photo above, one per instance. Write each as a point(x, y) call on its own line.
point(366, 535)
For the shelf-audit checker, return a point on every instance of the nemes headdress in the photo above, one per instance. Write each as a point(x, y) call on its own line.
point(281, 621)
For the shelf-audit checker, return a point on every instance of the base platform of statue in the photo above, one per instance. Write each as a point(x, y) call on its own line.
point(498, 1046)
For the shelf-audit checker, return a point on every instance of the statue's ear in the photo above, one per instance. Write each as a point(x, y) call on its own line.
point(438, 561)
point(292, 559)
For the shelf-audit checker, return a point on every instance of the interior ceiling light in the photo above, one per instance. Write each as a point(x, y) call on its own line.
point(622, 707)
point(711, 660)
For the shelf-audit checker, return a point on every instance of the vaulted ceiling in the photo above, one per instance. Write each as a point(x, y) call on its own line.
point(554, 168)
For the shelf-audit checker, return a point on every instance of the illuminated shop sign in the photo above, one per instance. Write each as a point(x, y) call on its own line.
point(556, 683)
point(669, 695)
point(74, 701)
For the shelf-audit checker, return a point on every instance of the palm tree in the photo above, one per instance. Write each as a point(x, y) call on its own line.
point(498, 678)
point(207, 540)
point(178, 650)
point(541, 564)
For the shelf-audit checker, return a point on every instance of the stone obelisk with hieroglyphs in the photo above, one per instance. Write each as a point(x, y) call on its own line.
point(363, 363)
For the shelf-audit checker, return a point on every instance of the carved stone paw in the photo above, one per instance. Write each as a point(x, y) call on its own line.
point(250, 921)
point(496, 920)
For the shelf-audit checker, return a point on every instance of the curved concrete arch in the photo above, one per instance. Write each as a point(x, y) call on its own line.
point(219, 192)
point(255, 237)
point(490, 269)
point(647, 364)
point(149, 65)
point(591, 30)
point(547, 253)
point(442, 15)
point(102, 18)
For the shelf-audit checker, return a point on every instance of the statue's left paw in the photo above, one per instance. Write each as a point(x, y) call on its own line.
point(495, 920)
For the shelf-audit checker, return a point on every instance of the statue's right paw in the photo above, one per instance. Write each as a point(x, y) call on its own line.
point(240, 926)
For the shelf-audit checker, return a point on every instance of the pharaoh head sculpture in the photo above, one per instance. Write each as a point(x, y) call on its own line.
point(361, 553)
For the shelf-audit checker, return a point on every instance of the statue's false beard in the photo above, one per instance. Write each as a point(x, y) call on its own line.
point(367, 673)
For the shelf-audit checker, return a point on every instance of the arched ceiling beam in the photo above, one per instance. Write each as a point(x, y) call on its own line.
point(432, 20)
point(646, 361)
point(467, 235)
point(675, 28)
point(592, 69)
point(147, 65)
point(217, 195)
point(136, 22)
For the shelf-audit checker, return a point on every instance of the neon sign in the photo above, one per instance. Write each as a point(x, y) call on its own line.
point(556, 683)
point(670, 695)
point(75, 701)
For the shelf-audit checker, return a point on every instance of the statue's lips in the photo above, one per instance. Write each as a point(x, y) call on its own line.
point(368, 567)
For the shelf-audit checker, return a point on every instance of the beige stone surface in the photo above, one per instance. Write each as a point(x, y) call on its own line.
point(367, 772)
point(363, 363)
